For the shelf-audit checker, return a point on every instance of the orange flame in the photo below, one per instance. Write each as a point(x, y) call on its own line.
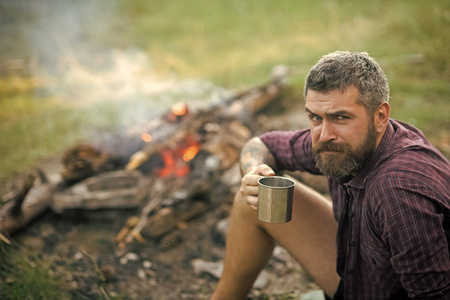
point(175, 160)
point(182, 171)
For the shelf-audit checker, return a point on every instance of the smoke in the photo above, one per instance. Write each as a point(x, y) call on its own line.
point(71, 28)
point(81, 50)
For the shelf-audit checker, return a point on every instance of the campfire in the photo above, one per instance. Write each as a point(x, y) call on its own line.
point(170, 179)
point(175, 156)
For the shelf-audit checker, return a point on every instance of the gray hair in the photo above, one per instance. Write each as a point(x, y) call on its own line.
point(342, 69)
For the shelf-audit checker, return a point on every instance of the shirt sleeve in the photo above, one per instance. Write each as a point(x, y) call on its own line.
point(291, 150)
point(411, 221)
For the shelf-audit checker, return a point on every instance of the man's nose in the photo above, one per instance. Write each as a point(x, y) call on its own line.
point(327, 132)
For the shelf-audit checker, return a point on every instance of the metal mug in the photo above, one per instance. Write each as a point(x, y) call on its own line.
point(275, 195)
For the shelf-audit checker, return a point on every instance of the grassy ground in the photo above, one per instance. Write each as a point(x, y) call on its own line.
point(232, 43)
point(26, 277)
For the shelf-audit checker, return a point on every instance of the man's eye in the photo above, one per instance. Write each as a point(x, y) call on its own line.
point(314, 118)
point(340, 117)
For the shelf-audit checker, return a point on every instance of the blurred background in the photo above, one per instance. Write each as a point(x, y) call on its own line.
point(74, 71)
point(70, 69)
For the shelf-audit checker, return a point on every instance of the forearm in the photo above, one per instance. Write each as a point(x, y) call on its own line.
point(255, 153)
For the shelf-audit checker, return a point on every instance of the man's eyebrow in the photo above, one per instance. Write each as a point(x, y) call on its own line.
point(332, 114)
point(307, 110)
point(339, 113)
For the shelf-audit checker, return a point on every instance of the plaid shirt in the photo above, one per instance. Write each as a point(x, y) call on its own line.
point(394, 215)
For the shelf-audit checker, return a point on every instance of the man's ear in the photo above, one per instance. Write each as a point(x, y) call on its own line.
point(381, 117)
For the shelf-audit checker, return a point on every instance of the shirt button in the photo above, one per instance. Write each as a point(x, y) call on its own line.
point(373, 261)
point(351, 214)
point(352, 243)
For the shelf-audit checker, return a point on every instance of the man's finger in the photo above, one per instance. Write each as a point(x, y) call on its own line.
point(250, 179)
point(262, 170)
point(252, 201)
point(265, 170)
point(249, 190)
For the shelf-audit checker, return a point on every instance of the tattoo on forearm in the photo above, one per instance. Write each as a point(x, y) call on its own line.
point(254, 154)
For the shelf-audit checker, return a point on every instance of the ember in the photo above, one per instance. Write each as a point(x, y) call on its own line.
point(146, 137)
point(178, 112)
point(190, 153)
point(179, 109)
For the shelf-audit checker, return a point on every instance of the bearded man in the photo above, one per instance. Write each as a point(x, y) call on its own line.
point(386, 233)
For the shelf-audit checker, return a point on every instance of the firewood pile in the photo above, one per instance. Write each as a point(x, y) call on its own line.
point(171, 179)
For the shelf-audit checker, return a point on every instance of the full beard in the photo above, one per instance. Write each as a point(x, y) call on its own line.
point(347, 161)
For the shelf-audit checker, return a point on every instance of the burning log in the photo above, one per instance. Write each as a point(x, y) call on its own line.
point(218, 133)
point(186, 152)
point(171, 194)
point(238, 110)
point(204, 168)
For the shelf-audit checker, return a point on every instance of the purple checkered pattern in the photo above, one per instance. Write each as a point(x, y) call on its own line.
point(394, 215)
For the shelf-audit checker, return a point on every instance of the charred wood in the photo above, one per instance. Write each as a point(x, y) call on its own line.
point(83, 161)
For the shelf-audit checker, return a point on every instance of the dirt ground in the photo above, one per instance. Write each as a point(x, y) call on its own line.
point(82, 249)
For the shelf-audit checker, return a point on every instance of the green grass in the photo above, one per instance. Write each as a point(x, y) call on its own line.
point(24, 276)
point(31, 129)
point(27, 275)
point(233, 43)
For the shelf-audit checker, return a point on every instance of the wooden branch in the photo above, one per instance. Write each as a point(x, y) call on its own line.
point(136, 231)
point(37, 200)
point(4, 239)
point(18, 194)
point(134, 225)
point(115, 189)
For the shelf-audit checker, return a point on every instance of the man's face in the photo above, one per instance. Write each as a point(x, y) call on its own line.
point(343, 135)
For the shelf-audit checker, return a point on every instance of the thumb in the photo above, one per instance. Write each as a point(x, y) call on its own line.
point(266, 170)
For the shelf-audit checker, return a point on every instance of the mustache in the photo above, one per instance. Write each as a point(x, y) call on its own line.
point(330, 146)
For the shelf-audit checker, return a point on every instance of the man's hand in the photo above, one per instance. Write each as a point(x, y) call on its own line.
point(249, 184)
